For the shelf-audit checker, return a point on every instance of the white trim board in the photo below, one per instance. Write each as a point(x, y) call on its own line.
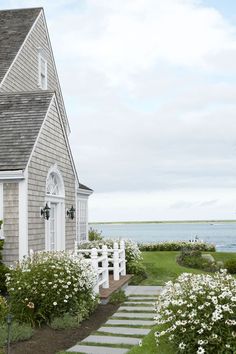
point(23, 217)
point(16, 174)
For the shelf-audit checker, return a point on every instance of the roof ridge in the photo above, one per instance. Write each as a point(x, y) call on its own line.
point(5, 93)
point(23, 9)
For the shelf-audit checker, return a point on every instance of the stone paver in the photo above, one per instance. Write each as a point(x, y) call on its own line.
point(136, 308)
point(141, 298)
point(143, 290)
point(130, 322)
point(125, 330)
point(141, 303)
point(112, 340)
point(133, 315)
point(97, 350)
point(121, 325)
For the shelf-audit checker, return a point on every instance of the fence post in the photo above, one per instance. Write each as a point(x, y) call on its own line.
point(105, 267)
point(94, 262)
point(76, 247)
point(116, 274)
point(122, 247)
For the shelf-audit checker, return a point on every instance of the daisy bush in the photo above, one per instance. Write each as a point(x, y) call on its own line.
point(197, 314)
point(50, 284)
point(176, 246)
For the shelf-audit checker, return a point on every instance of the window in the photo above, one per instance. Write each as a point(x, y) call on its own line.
point(82, 220)
point(52, 186)
point(42, 72)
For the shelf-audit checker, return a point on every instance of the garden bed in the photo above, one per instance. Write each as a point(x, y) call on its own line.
point(48, 341)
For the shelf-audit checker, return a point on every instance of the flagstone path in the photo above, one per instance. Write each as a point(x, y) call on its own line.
point(126, 328)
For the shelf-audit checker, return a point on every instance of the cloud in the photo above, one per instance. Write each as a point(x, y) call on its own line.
point(150, 89)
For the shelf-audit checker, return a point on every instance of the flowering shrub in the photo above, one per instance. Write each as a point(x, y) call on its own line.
point(198, 313)
point(3, 309)
point(48, 285)
point(132, 252)
point(3, 269)
point(176, 246)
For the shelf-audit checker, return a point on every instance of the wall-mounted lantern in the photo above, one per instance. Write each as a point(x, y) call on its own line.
point(71, 213)
point(45, 212)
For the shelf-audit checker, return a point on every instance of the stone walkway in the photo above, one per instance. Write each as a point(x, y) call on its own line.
point(126, 328)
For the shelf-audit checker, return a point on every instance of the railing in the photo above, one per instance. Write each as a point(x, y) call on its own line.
point(106, 260)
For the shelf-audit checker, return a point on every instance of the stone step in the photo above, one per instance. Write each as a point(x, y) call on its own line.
point(125, 330)
point(130, 322)
point(136, 308)
point(140, 303)
point(141, 298)
point(90, 349)
point(133, 315)
point(112, 340)
point(143, 290)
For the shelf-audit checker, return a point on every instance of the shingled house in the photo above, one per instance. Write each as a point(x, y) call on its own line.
point(42, 204)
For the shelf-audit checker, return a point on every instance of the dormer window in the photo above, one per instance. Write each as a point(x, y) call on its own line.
point(42, 72)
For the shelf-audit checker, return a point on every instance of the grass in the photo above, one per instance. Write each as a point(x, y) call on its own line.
point(162, 266)
point(149, 346)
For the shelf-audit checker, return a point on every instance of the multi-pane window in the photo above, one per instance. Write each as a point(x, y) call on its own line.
point(82, 220)
point(42, 72)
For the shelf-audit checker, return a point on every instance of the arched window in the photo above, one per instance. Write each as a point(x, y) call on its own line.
point(54, 183)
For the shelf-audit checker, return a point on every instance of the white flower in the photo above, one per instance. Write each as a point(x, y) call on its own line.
point(54, 303)
point(182, 346)
point(200, 350)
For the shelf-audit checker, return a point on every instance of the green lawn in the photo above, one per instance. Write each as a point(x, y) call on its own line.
point(149, 345)
point(162, 266)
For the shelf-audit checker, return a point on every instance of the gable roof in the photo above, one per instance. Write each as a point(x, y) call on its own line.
point(21, 117)
point(82, 186)
point(14, 27)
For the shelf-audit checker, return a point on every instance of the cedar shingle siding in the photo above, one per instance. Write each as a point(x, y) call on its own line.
point(23, 75)
point(50, 149)
point(11, 224)
point(33, 134)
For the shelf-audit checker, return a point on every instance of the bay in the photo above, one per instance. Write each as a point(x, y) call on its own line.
point(222, 234)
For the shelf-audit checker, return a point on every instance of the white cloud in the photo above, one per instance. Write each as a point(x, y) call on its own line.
point(150, 89)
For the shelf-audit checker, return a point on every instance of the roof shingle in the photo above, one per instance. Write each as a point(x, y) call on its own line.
point(14, 27)
point(21, 117)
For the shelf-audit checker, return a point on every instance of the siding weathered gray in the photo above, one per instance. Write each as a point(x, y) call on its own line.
point(23, 75)
point(50, 149)
point(11, 222)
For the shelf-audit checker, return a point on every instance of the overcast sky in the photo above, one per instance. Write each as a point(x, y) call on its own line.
point(150, 92)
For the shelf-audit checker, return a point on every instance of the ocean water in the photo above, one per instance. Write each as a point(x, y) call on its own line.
point(222, 235)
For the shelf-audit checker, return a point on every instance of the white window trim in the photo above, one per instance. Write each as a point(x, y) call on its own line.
point(41, 58)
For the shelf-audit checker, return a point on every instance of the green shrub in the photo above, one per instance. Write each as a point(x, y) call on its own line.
point(3, 309)
point(176, 246)
point(66, 321)
point(49, 284)
point(230, 265)
point(19, 332)
point(3, 270)
point(138, 270)
point(117, 297)
point(195, 259)
point(198, 313)
point(94, 235)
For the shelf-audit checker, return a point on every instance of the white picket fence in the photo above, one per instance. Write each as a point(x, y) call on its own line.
point(106, 260)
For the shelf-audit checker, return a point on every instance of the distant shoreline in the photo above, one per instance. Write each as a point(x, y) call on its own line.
point(164, 222)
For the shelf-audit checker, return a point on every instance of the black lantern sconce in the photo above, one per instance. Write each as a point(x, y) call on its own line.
point(45, 212)
point(71, 213)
